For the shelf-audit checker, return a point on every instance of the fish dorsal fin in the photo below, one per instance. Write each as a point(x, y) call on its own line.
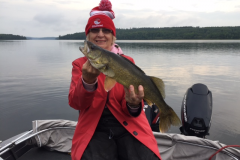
point(133, 64)
point(148, 102)
point(159, 84)
point(109, 83)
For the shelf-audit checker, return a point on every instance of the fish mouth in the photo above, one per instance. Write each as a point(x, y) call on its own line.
point(89, 45)
point(91, 50)
point(85, 49)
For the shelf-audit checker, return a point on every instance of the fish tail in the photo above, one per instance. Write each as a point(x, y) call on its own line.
point(167, 119)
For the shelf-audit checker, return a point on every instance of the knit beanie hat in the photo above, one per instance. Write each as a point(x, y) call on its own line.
point(101, 17)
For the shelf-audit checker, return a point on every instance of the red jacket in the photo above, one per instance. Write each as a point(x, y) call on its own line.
point(91, 105)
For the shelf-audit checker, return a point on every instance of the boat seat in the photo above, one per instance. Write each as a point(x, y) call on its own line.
point(41, 153)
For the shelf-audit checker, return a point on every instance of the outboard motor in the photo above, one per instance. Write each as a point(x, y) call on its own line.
point(196, 111)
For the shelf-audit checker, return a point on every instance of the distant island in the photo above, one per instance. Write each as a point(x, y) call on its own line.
point(11, 37)
point(17, 37)
point(164, 33)
point(185, 32)
point(42, 38)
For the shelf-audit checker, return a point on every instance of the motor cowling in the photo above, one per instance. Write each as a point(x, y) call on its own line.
point(196, 111)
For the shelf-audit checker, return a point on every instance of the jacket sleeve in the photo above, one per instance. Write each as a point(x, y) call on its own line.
point(79, 98)
point(127, 110)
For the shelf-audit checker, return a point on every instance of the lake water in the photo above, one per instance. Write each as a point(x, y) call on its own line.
point(35, 77)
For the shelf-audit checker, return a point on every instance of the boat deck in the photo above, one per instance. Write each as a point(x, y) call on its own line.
point(41, 153)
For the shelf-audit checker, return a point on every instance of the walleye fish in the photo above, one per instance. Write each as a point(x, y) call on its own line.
point(119, 69)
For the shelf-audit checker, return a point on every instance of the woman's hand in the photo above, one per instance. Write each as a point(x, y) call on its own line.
point(89, 73)
point(131, 97)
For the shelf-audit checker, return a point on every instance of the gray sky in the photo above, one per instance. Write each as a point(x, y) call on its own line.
point(51, 18)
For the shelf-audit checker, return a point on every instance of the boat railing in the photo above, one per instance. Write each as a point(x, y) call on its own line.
point(210, 147)
point(26, 136)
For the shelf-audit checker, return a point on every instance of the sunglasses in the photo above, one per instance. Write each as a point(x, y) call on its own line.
point(97, 30)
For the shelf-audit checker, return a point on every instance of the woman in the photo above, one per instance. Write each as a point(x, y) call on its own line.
point(111, 125)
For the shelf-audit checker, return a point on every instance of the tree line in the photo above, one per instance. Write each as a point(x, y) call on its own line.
point(11, 37)
point(185, 32)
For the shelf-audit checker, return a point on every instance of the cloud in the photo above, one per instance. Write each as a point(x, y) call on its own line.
point(163, 18)
point(54, 1)
point(50, 19)
point(60, 17)
point(67, 2)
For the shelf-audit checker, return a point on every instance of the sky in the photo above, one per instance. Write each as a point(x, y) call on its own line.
point(51, 18)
